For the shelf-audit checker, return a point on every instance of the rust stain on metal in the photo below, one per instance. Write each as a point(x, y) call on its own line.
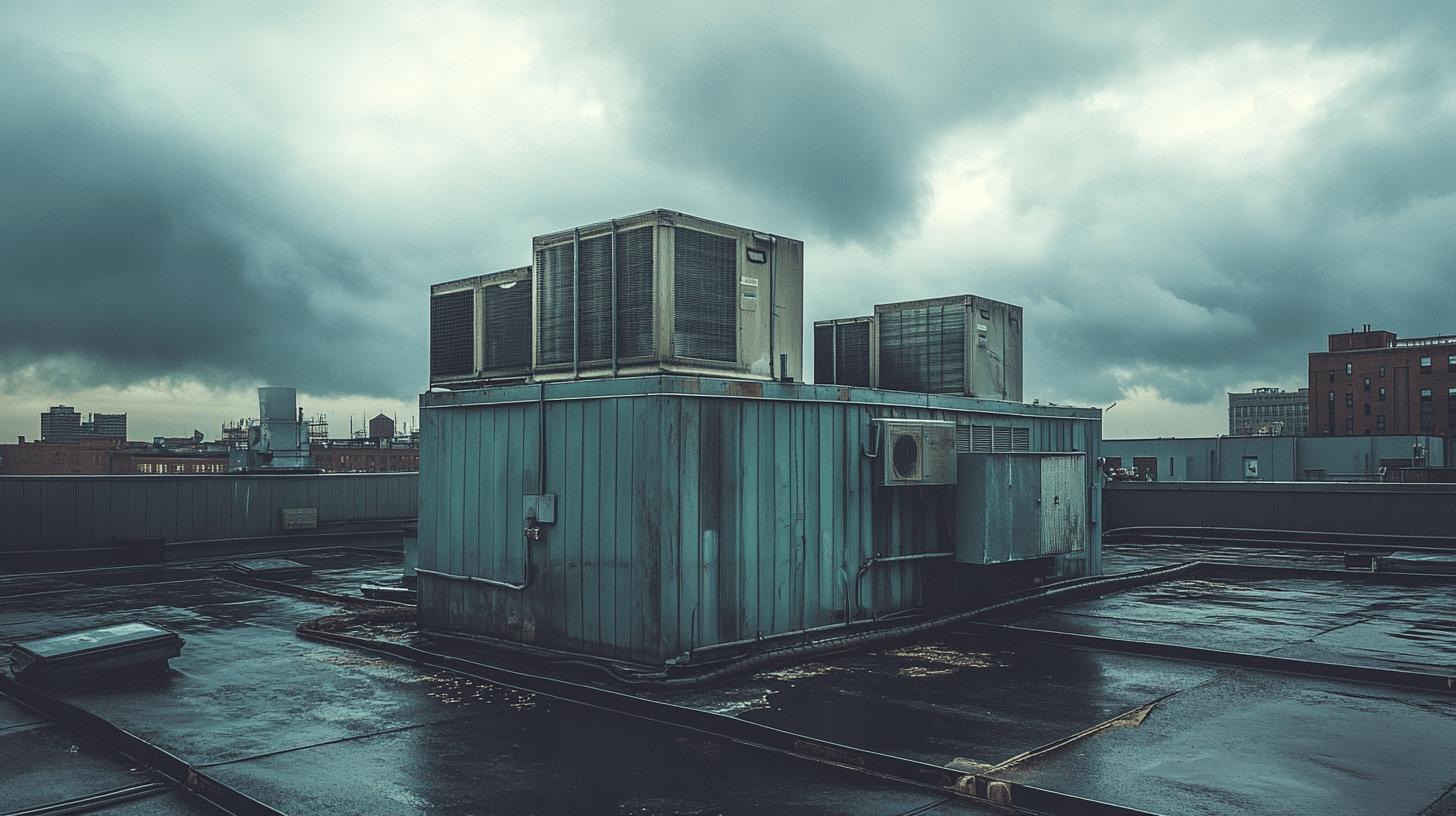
point(745, 389)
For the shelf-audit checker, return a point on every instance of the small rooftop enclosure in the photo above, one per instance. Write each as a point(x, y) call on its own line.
point(643, 517)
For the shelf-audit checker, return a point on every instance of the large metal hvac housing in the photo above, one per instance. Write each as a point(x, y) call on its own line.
point(480, 329)
point(964, 344)
point(666, 292)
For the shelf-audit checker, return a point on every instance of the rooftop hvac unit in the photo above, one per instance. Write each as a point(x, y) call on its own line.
point(845, 352)
point(965, 345)
point(480, 328)
point(667, 292)
point(915, 452)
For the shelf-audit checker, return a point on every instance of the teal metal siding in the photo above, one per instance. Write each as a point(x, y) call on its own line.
point(689, 512)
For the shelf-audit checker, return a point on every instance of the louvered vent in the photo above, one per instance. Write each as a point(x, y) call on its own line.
point(594, 300)
point(705, 280)
point(506, 317)
point(589, 299)
point(634, 293)
point(452, 334)
point(555, 305)
point(824, 354)
point(963, 438)
point(923, 349)
point(986, 439)
point(852, 352)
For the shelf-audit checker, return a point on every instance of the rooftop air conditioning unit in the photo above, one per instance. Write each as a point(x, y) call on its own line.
point(664, 292)
point(480, 329)
point(964, 345)
point(916, 452)
point(846, 352)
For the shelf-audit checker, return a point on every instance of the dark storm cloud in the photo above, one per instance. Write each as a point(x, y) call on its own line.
point(828, 109)
point(126, 252)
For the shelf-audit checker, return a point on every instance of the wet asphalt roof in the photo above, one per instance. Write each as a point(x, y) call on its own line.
point(311, 728)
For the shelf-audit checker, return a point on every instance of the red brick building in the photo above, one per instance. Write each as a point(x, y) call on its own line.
point(1372, 382)
point(89, 456)
point(362, 459)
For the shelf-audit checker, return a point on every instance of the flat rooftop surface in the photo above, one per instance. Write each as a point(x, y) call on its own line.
point(312, 728)
point(315, 729)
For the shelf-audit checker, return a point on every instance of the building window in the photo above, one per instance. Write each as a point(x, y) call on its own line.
point(1382, 395)
point(1367, 383)
point(1425, 365)
point(1349, 369)
point(1451, 362)
point(1426, 408)
point(1380, 422)
point(1367, 409)
point(1382, 371)
point(1349, 400)
point(1349, 425)
point(1332, 375)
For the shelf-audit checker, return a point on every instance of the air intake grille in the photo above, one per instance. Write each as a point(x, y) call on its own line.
point(824, 355)
point(634, 293)
point(592, 303)
point(705, 277)
point(594, 343)
point(555, 306)
point(923, 349)
point(852, 351)
point(986, 439)
point(452, 334)
point(506, 314)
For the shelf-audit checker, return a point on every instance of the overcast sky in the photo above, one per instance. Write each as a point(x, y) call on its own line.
point(199, 199)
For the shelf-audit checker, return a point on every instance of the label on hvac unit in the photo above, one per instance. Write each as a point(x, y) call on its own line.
point(982, 327)
point(747, 281)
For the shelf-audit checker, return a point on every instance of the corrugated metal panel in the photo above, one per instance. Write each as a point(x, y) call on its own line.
point(555, 304)
point(682, 521)
point(80, 512)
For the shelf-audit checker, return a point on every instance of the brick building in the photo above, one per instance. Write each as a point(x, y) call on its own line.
point(88, 456)
point(360, 458)
point(1372, 382)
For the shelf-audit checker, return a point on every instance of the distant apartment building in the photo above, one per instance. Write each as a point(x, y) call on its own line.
point(1269, 412)
point(60, 424)
point(1371, 382)
point(111, 426)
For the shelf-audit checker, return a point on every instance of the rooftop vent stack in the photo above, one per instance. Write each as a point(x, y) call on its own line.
point(480, 329)
point(665, 292)
point(965, 344)
point(846, 352)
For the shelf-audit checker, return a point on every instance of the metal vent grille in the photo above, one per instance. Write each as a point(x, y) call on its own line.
point(583, 307)
point(824, 354)
point(923, 349)
point(852, 353)
point(506, 315)
point(555, 304)
point(452, 334)
point(634, 293)
point(705, 309)
point(594, 300)
point(986, 439)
